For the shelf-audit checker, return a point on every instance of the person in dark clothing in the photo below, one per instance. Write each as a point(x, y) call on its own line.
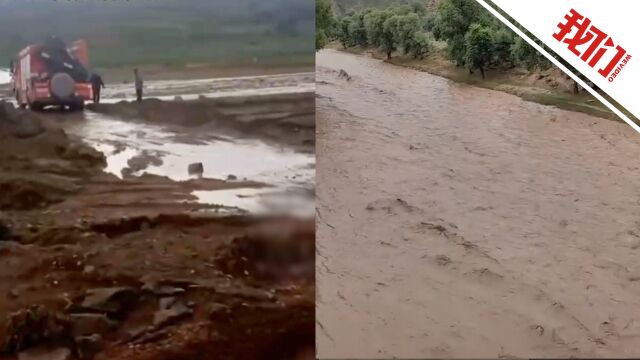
point(96, 84)
point(139, 84)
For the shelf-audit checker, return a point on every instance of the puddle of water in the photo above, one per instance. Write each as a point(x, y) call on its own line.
point(284, 169)
point(241, 198)
point(5, 77)
point(260, 201)
point(116, 160)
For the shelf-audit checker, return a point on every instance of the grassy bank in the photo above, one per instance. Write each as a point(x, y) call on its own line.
point(550, 87)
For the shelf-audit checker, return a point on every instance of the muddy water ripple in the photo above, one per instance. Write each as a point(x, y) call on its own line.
point(456, 221)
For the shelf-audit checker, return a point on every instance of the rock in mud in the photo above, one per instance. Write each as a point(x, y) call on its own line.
point(27, 126)
point(86, 155)
point(162, 289)
point(5, 232)
point(344, 75)
point(34, 326)
point(195, 169)
point(46, 354)
point(114, 300)
point(174, 313)
point(23, 193)
point(219, 312)
point(88, 346)
point(89, 324)
point(13, 294)
point(272, 254)
point(89, 269)
point(166, 303)
point(19, 123)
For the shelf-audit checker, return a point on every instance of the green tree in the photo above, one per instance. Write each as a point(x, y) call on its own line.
point(373, 25)
point(454, 17)
point(321, 40)
point(387, 43)
point(417, 7)
point(420, 45)
point(479, 47)
point(343, 31)
point(357, 31)
point(324, 22)
point(524, 54)
point(503, 41)
point(406, 28)
point(429, 22)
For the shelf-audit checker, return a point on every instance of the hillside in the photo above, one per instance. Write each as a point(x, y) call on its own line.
point(165, 31)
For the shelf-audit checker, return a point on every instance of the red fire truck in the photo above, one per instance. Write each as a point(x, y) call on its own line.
point(52, 74)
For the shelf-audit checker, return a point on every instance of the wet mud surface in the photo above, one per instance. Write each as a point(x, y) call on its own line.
point(112, 250)
point(461, 222)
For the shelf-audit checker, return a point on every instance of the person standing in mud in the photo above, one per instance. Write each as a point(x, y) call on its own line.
point(139, 84)
point(96, 85)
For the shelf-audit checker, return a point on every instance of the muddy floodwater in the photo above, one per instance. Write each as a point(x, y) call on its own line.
point(455, 221)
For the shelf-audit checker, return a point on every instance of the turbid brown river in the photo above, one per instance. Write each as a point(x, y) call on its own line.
point(455, 221)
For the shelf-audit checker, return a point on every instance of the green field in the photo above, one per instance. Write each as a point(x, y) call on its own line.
point(128, 32)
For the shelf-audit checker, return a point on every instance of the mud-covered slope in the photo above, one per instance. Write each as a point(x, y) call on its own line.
point(96, 267)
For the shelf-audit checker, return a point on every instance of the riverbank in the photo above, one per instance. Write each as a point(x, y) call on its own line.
point(549, 87)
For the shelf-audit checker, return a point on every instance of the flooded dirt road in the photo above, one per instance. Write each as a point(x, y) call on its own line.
point(455, 221)
point(167, 229)
point(163, 138)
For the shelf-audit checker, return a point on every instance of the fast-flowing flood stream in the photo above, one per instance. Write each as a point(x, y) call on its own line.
point(455, 221)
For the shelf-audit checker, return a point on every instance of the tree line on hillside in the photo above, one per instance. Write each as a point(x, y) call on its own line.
point(473, 37)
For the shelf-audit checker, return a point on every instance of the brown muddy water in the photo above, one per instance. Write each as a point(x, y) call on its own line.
point(455, 221)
